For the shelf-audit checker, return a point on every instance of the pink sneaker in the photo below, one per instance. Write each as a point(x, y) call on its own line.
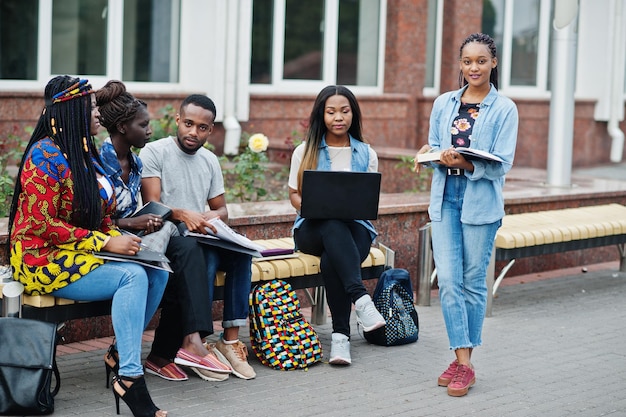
point(210, 362)
point(448, 374)
point(462, 381)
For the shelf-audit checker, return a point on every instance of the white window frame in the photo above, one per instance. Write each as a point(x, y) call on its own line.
point(115, 25)
point(540, 90)
point(278, 85)
point(436, 88)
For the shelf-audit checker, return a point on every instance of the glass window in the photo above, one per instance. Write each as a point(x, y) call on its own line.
point(18, 39)
point(525, 42)
point(521, 29)
point(151, 40)
point(493, 25)
point(316, 42)
point(357, 42)
point(433, 32)
point(261, 62)
point(304, 39)
point(79, 37)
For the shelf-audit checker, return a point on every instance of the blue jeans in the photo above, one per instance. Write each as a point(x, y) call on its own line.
point(461, 253)
point(136, 292)
point(238, 269)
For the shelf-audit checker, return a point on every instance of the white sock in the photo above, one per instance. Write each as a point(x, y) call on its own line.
point(229, 342)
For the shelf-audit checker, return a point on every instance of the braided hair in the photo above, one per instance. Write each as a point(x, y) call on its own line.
point(67, 121)
point(116, 105)
point(491, 45)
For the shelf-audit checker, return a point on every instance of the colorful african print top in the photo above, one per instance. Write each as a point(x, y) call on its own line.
point(47, 251)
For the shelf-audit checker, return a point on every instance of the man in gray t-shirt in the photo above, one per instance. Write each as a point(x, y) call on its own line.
point(179, 172)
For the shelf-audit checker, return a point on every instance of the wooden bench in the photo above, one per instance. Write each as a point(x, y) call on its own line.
point(302, 272)
point(556, 231)
point(548, 232)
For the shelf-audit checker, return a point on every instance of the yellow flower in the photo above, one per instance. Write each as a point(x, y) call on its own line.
point(258, 143)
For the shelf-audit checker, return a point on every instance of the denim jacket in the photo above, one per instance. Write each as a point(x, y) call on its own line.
point(359, 162)
point(495, 131)
point(127, 195)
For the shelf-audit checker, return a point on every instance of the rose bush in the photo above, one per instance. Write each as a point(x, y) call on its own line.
point(246, 171)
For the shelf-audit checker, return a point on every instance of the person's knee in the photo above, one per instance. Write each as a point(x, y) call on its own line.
point(134, 275)
point(158, 278)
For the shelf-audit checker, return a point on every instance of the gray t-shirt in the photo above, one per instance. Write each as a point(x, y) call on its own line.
point(187, 181)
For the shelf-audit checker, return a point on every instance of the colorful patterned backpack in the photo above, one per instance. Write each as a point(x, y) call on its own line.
point(280, 336)
point(393, 298)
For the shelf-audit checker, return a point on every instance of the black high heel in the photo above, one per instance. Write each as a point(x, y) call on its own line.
point(136, 396)
point(113, 356)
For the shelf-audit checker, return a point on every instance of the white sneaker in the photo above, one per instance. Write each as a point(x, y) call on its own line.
point(367, 315)
point(340, 350)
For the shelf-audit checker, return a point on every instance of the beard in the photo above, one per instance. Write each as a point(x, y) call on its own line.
point(190, 151)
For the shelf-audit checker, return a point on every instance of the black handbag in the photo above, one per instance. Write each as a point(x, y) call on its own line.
point(27, 364)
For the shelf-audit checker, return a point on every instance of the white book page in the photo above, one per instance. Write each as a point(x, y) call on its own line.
point(226, 233)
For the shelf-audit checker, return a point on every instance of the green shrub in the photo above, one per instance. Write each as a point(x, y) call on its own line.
point(11, 150)
point(423, 178)
point(165, 124)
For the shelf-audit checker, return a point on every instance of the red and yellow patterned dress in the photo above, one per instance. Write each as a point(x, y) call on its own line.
point(47, 251)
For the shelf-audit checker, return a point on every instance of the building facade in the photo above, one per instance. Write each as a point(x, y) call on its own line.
point(264, 61)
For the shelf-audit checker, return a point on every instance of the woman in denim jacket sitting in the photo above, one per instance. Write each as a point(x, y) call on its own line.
point(334, 143)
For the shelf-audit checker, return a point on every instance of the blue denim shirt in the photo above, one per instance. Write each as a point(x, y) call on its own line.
point(127, 195)
point(359, 162)
point(495, 131)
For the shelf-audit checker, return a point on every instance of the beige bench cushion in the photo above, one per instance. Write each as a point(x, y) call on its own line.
point(554, 226)
point(301, 265)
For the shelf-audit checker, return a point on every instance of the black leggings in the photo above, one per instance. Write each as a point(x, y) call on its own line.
point(342, 246)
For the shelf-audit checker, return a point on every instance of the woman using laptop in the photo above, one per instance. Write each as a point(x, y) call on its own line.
point(334, 143)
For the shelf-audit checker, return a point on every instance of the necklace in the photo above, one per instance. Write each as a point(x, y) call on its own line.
point(335, 151)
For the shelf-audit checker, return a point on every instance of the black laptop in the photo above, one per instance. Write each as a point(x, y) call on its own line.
point(341, 195)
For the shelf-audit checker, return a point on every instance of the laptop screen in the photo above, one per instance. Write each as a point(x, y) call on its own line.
point(343, 195)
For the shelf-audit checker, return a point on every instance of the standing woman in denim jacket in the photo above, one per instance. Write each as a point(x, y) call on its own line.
point(466, 202)
point(334, 143)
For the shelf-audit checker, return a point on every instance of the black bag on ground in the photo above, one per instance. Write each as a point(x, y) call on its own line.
point(27, 364)
point(393, 298)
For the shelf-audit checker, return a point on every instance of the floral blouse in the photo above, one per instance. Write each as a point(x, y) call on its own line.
point(47, 251)
point(463, 124)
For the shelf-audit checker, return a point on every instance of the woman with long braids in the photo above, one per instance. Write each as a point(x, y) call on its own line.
point(334, 143)
point(466, 202)
point(61, 215)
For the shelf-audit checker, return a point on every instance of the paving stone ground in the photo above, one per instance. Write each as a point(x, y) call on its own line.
point(553, 347)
